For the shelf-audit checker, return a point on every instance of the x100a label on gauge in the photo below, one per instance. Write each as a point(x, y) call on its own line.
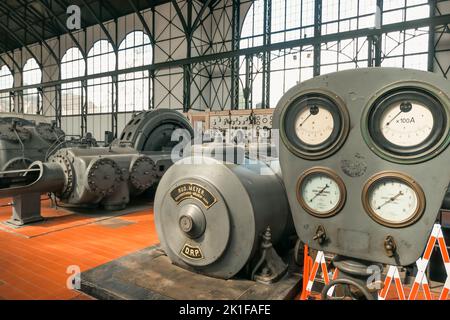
point(193, 191)
point(192, 252)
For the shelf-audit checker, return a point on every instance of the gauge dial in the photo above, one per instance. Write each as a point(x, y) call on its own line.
point(315, 125)
point(407, 123)
point(393, 199)
point(321, 192)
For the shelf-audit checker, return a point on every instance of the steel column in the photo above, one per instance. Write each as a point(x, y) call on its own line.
point(431, 38)
point(317, 35)
point(235, 60)
point(267, 54)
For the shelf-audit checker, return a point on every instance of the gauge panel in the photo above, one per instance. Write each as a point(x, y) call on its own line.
point(353, 232)
point(315, 125)
point(393, 199)
point(321, 192)
point(407, 124)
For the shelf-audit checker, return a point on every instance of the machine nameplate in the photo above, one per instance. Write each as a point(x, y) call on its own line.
point(192, 190)
point(192, 252)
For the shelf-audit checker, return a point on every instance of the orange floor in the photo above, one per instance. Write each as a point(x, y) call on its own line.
point(34, 260)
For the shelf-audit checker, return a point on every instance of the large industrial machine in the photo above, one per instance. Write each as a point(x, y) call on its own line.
point(22, 142)
point(364, 155)
point(80, 177)
point(86, 176)
point(151, 131)
point(221, 219)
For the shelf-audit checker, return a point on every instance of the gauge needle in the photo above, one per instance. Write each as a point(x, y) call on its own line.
point(319, 193)
point(390, 200)
point(401, 111)
point(404, 107)
point(312, 112)
point(301, 124)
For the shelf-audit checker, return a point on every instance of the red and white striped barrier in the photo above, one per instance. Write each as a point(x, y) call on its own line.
point(421, 278)
point(392, 274)
point(420, 281)
point(320, 262)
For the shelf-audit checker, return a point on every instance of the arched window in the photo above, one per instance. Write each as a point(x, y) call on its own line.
point(32, 74)
point(6, 82)
point(72, 95)
point(134, 88)
point(101, 58)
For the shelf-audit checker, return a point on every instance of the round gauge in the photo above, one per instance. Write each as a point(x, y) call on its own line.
point(315, 125)
point(407, 123)
point(321, 192)
point(393, 199)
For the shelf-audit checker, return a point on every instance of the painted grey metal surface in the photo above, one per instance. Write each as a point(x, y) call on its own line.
point(87, 177)
point(23, 141)
point(210, 216)
point(352, 232)
point(151, 131)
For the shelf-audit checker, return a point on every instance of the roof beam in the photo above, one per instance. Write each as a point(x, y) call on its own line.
point(38, 16)
point(63, 27)
point(25, 24)
point(180, 16)
point(200, 14)
point(11, 33)
point(100, 23)
point(10, 57)
point(400, 26)
point(143, 22)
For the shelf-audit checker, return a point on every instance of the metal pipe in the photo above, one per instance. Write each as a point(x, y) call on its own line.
point(38, 178)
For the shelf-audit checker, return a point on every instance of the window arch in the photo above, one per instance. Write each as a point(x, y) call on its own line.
point(101, 58)
point(32, 99)
point(72, 94)
point(6, 82)
point(134, 88)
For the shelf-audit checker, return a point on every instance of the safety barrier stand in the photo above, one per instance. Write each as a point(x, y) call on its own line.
point(311, 273)
point(421, 280)
point(392, 274)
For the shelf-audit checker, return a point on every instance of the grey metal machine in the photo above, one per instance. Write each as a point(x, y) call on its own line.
point(88, 176)
point(220, 219)
point(364, 155)
point(151, 131)
point(79, 177)
point(22, 142)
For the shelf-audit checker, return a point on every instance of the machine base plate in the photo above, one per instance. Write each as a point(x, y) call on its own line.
point(148, 274)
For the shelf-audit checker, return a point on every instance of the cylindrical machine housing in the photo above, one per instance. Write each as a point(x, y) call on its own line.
point(151, 131)
point(210, 216)
point(40, 176)
point(87, 177)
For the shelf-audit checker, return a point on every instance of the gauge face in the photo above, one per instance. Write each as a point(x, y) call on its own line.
point(321, 192)
point(407, 123)
point(393, 199)
point(315, 125)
